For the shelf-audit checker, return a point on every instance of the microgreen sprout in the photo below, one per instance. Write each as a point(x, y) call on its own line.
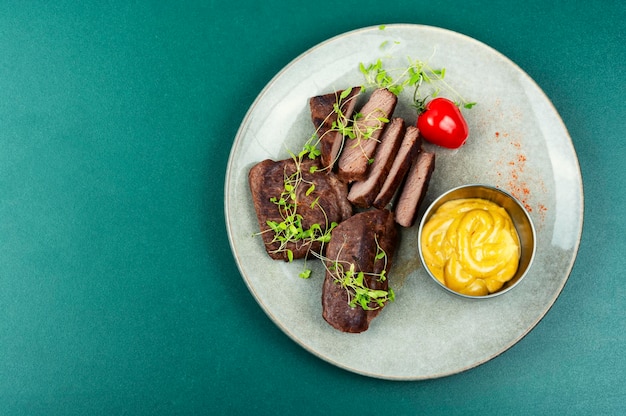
point(363, 127)
point(355, 284)
point(358, 128)
point(416, 73)
point(291, 229)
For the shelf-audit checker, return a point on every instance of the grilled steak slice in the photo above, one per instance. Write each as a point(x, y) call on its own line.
point(356, 241)
point(363, 193)
point(414, 189)
point(267, 181)
point(356, 154)
point(323, 115)
point(411, 144)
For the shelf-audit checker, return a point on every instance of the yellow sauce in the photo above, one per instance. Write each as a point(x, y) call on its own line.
point(471, 246)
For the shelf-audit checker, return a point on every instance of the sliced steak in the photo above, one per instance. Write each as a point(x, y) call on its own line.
point(355, 157)
point(323, 115)
point(414, 189)
point(267, 181)
point(411, 144)
point(363, 193)
point(356, 241)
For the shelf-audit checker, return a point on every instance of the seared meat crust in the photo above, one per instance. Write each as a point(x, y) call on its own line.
point(409, 148)
point(414, 189)
point(323, 116)
point(267, 180)
point(354, 159)
point(363, 193)
point(356, 241)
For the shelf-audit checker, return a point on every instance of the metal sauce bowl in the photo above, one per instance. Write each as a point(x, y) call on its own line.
point(521, 219)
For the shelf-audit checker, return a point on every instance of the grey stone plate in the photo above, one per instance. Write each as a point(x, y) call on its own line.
point(517, 142)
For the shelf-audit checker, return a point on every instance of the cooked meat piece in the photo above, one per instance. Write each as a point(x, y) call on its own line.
point(411, 144)
point(323, 116)
point(354, 159)
point(267, 181)
point(414, 189)
point(363, 193)
point(356, 241)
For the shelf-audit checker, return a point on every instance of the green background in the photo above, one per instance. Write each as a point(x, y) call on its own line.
point(118, 290)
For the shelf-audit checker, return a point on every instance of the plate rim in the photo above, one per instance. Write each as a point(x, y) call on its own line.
point(229, 177)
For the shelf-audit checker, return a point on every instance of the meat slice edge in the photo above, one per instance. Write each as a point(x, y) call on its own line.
point(363, 193)
point(356, 241)
point(411, 144)
point(323, 115)
point(414, 189)
point(355, 156)
point(266, 180)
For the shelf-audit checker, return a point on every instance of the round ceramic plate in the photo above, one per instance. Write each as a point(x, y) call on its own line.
point(517, 142)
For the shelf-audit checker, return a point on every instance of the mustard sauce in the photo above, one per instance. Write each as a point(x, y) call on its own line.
point(471, 246)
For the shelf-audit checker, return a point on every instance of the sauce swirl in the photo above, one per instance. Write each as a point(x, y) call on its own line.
point(471, 246)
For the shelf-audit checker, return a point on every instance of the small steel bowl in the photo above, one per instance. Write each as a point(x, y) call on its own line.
point(521, 219)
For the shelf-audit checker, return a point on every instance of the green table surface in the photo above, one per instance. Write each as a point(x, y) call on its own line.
point(119, 293)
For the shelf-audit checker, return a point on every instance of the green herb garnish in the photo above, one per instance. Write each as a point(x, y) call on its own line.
point(358, 128)
point(354, 282)
point(291, 229)
point(413, 75)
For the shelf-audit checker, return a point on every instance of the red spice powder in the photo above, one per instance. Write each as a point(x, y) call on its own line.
point(513, 177)
point(518, 188)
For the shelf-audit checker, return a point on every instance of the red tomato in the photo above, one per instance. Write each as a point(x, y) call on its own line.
point(442, 123)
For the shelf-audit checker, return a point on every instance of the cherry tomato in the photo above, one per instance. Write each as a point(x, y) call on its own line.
point(442, 123)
